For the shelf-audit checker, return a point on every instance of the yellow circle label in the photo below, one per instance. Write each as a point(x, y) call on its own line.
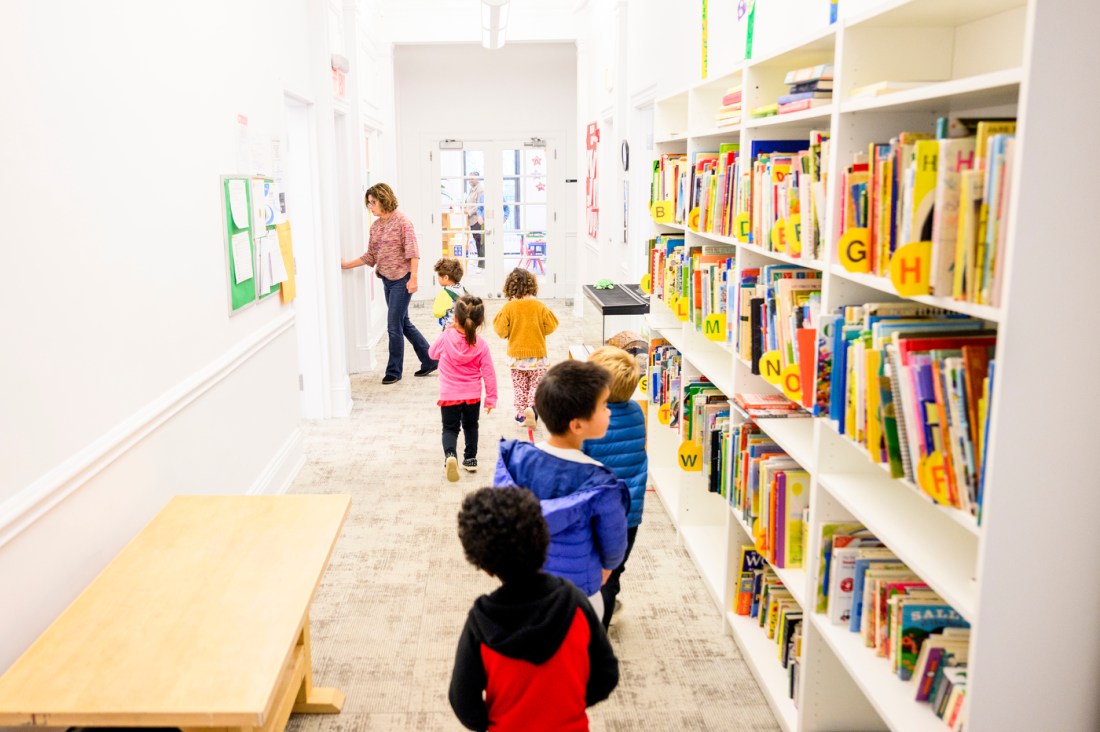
point(714, 327)
point(663, 414)
point(779, 235)
point(853, 250)
point(791, 383)
point(910, 268)
point(794, 234)
point(741, 227)
point(643, 385)
point(690, 457)
point(932, 478)
point(771, 367)
point(682, 307)
point(646, 283)
point(693, 219)
point(661, 211)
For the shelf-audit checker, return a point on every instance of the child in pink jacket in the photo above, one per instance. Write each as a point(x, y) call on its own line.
point(464, 363)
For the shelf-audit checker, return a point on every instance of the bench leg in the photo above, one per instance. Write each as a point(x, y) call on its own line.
point(310, 699)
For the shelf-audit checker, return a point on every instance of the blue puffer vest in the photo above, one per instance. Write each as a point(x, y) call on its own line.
point(623, 450)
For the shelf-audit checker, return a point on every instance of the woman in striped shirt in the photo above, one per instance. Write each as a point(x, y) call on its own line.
point(394, 254)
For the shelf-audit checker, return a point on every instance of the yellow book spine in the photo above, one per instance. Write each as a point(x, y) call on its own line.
point(874, 419)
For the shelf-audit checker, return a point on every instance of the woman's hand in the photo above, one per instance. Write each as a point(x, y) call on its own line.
point(411, 286)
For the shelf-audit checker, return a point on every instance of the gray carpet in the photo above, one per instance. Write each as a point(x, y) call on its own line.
point(390, 607)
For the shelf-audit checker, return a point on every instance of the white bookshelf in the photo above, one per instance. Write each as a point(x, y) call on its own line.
point(979, 58)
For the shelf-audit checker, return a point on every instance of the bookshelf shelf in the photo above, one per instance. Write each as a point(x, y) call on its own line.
point(712, 360)
point(674, 335)
point(959, 517)
point(937, 549)
point(761, 656)
point(931, 13)
point(795, 435)
point(732, 132)
point(673, 137)
point(892, 698)
point(995, 88)
point(794, 119)
point(706, 544)
point(793, 579)
point(781, 257)
point(882, 284)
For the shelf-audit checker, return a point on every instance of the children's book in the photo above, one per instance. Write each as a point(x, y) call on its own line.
point(749, 564)
point(919, 620)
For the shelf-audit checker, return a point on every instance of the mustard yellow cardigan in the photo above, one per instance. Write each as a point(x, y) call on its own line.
point(525, 323)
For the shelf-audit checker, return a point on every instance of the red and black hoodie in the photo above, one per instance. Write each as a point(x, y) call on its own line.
point(532, 656)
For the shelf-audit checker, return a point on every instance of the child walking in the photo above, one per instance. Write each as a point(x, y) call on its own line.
point(448, 271)
point(623, 450)
point(532, 655)
point(525, 322)
point(584, 502)
point(464, 365)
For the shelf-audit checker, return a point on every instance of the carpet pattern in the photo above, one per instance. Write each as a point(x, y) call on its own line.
point(389, 609)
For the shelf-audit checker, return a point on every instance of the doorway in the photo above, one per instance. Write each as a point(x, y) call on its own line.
point(497, 210)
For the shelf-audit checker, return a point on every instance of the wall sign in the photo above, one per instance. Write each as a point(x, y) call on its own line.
point(591, 189)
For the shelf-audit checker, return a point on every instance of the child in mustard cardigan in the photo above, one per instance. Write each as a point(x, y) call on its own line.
point(525, 322)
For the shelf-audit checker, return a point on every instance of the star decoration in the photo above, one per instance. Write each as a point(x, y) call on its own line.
point(537, 160)
point(540, 187)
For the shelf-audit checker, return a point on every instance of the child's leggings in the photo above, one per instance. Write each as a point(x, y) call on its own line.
point(524, 383)
point(466, 416)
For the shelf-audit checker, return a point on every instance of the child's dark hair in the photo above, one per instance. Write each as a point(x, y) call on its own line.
point(520, 283)
point(449, 267)
point(503, 532)
point(568, 391)
point(469, 316)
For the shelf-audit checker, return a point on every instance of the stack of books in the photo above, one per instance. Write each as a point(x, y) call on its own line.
point(761, 595)
point(729, 114)
point(810, 87)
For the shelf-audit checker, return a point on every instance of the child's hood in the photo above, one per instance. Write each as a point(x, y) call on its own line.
point(548, 476)
point(458, 350)
point(526, 620)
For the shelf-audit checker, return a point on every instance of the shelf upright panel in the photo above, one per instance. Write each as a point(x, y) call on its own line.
point(760, 654)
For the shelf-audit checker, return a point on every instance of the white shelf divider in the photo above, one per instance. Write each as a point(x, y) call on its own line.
point(706, 545)
point(760, 654)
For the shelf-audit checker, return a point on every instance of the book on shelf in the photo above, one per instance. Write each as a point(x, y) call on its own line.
point(765, 110)
point(826, 534)
point(820, 72)
point(749, 563)
point(801, 105)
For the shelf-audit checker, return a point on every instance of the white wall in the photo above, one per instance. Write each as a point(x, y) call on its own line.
point(124, 379)
point(530, 90)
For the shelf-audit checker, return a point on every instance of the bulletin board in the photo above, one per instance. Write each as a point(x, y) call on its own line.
point(258, 256)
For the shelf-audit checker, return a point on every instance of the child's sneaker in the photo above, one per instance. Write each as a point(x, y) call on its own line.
point(529, 418)
point(470, 464)
point(521, 420)
point(452, 468)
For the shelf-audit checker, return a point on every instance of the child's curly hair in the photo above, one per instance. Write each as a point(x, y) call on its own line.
point(503, 532)
point(449, 267)
point(520, 283)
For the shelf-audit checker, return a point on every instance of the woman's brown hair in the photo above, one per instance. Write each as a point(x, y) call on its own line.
point(520, 283)
point(384, 195)
point(469, 316)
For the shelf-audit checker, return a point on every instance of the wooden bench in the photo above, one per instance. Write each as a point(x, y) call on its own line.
point(201, 622)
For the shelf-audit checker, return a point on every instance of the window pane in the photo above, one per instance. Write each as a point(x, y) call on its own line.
point(510, 160)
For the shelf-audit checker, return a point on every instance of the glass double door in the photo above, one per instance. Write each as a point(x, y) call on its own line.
point(494, 212)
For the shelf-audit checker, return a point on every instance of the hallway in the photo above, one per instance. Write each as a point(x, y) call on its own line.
point(389, 609)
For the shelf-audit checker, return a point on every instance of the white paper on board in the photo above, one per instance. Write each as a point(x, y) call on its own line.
point(238, 203)
point(242, 257)
point(278, 267)
point(259, 207)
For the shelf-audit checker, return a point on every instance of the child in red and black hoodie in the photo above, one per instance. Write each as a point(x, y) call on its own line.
point(533, 655)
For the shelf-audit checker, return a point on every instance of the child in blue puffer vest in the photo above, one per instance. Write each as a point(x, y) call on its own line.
point(623, 450)
point(583, 502)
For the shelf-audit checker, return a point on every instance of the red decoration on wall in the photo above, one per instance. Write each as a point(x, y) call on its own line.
point(591, 197)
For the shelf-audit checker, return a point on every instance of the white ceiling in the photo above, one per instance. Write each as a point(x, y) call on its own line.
point(459, 21)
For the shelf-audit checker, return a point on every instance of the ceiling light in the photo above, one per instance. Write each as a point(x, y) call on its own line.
point(494, 21)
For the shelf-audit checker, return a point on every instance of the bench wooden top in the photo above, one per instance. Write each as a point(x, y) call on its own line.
point(190, 625)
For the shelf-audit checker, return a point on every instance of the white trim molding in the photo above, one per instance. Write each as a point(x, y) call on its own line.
point(280, 473)
point(28, 505)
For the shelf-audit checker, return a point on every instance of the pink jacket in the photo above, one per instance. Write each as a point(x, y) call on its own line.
point(463, 367)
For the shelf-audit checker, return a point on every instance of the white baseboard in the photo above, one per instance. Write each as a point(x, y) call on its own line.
point(280, 473)
point(30, 504)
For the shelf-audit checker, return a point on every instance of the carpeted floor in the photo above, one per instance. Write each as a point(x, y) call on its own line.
point(390, 607)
